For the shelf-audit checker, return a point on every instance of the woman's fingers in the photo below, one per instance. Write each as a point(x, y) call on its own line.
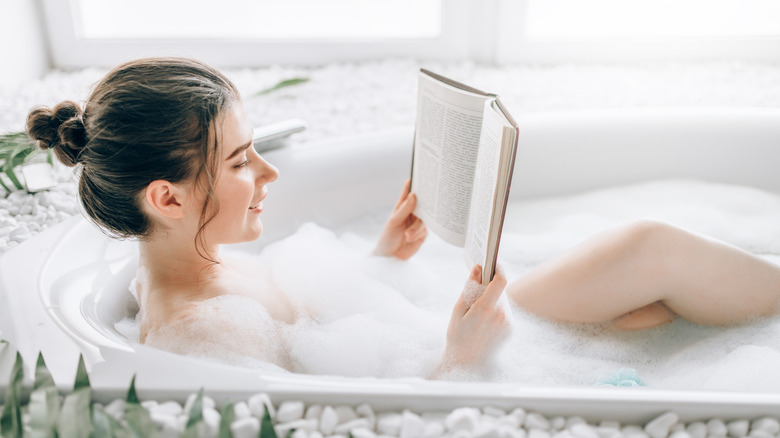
point(404, 209)
point(404, 193)
point(494, 290)
point(416, 231)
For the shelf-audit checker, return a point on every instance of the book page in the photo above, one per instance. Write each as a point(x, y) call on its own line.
point(484, 194)
point(446, 142)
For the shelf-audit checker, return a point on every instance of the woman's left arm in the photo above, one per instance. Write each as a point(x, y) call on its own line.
point(404, 232)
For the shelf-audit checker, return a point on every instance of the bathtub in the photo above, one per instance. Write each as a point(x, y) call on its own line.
point(63, 290)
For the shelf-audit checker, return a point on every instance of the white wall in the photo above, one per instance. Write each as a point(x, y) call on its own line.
point(24, 53)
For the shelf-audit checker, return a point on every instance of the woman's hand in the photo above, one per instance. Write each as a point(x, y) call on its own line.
point(404, 232)
point(478, 325)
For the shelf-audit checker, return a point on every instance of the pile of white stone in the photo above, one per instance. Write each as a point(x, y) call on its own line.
point(24, 214)
point(319, 421)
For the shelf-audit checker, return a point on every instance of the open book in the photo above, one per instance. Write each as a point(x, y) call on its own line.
point(465, 144)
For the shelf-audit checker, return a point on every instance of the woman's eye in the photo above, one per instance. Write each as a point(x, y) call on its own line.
point(241, 164)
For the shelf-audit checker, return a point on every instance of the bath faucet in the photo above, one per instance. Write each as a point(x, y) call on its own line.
point(276, 134)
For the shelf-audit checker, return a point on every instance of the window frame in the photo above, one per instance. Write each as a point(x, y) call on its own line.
point(486, 31)
point(70, 51)
point(514, 46)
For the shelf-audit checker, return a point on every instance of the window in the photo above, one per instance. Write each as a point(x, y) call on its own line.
point(259, 19)
point(628, 30)
point(255, 32)
point(262, 32)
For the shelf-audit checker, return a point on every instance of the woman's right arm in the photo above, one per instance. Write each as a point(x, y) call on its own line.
point(478, 325)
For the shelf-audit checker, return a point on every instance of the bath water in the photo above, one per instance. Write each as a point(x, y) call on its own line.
point(383, 317)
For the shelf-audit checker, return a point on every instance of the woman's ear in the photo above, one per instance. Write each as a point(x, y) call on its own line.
point(166, 199)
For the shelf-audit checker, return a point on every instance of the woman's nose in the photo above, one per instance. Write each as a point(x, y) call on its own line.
point(267, 171)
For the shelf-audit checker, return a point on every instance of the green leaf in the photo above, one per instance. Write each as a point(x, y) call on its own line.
point(5, 187)
point(292, 431)
point(44, 410)
point(11, 418)
point(132, 397)
point(106, 425)
point(15, 149)
point(228, 415)
point(14, 180)
point(139, 422)
point(43, 378)
point(76, 416)
point(267, 426)
point(195, 416)
point(82, 379)
point(44, 406)
point(281, 84)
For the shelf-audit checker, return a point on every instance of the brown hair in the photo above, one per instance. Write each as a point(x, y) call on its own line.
point(147, 120)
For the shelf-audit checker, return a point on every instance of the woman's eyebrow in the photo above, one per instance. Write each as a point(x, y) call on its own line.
point(239, 149)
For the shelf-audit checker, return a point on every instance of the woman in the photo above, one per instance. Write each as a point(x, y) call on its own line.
point(167, 158)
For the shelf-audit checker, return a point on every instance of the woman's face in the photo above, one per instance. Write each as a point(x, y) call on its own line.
point(241, 180)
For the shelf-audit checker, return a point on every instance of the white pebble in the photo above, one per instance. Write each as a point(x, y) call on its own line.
point(345, 413)
point(258, 404)
point(583, 430)
point(697, 429)
point(344, 428)
point(486, 430)
point(290, 411)
point(538, 433)
point(680, 434)
point(493, 411)
point(363, 432)
point(18, 231)
point(313, 411)
point(659, 427)
point(535, 420)
point(299, 433)
point(315, 434)
point(162, 420)
point(633, 432)
point(738, 428)
point(518, 413)
point(716, 428)
point(557, 423)
point(462, 419)
point(209, 427)
point(508, 421)
point(328, 420)
point(412, 425)
point(300, 424)
point(248, 427)
point(768, 425)
point(366, 411)
point(116, 409)
point(760, 434)
point(510, 432)
point(433, 429)
point(241, 410)
point(388, 423)
point(563, 434)
point(149, 404)
point(608, 429)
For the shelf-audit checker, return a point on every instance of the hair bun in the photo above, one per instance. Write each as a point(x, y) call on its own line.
point(60, 129)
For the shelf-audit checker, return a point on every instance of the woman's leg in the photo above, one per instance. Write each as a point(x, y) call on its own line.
point(638, 274)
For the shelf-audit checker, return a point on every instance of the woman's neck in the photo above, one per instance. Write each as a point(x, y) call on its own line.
point(175, 264)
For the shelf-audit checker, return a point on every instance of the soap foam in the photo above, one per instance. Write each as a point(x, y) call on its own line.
point(383, 317)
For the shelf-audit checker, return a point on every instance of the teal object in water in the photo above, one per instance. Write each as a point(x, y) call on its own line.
point(624, 377)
